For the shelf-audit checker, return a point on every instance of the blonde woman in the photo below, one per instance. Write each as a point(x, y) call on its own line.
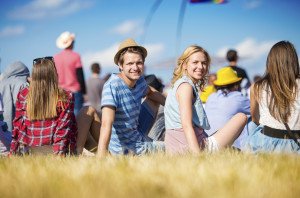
point(44, 121)
point(185, 117)
point(275, 103)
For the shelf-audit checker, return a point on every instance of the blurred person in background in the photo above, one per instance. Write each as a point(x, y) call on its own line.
point(232, 57)
point(13, 78)
point(156, 130)
point(94, 87)
point(208, 89)
point(69, 69)
point(89, 125)
point(5, 135)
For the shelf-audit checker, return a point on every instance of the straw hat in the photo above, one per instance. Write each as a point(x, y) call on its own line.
point(126, 44)
point(226, 76)
point(65, 40)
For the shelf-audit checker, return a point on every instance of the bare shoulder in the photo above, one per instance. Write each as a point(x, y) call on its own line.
point(184, 91)
point(185, 88)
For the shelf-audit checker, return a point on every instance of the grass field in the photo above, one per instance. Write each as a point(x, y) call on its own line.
point(225, 174)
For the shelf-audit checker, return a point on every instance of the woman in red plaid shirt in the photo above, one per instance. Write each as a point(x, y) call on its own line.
point(44, 121)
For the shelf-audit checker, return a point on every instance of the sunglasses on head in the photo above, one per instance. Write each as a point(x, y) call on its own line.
point(37, 60)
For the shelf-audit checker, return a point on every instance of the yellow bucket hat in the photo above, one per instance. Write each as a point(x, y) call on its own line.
point(226, 76)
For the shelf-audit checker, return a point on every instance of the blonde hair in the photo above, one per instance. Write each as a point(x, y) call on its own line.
point(44, 93)
point(280, 78)
point(179, 70)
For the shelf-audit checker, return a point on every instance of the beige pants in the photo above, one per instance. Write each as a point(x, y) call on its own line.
point(41, 150)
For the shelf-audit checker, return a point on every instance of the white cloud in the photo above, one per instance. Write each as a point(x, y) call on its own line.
point(249, 49)
point(154, 52)
point(12, 30)
point(105, 57)
point(129, 28)
point(251, 4)
point(253, 55)
point(38, 9)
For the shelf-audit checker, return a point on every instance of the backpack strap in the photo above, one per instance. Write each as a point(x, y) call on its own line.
point(292, 135)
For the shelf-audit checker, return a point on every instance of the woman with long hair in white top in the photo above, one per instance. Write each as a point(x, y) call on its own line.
point(275, 103)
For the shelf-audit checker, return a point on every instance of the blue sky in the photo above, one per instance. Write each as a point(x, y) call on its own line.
point(29, 28)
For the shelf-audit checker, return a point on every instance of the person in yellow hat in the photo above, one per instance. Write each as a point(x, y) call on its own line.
point(209, 89)
point(226, 102)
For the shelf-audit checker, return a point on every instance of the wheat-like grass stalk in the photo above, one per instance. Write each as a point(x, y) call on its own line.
point(224, 174)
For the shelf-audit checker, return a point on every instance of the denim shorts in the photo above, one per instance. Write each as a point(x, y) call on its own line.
point(259, 142)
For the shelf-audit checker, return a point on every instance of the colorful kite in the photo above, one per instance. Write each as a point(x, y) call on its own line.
point(208, 1)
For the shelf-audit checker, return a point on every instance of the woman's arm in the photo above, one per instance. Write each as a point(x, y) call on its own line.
point(254, 107)
point(184, 96)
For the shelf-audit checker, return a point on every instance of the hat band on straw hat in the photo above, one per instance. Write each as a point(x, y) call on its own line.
point(126, 44)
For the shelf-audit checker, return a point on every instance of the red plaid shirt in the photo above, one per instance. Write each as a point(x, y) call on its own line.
point(60, 132)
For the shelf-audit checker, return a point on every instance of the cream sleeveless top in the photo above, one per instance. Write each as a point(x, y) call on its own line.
point(268, 120)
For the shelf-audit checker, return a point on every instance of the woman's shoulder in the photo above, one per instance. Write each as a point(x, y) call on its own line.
point(183, 79)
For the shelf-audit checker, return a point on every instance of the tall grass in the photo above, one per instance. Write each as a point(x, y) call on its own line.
point(224, 174)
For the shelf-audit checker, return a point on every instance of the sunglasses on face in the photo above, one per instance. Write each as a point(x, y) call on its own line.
point(38, 60)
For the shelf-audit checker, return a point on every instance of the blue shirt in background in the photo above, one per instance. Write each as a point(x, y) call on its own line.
point(220, 109)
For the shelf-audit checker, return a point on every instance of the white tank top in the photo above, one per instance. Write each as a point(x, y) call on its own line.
point(268, 120)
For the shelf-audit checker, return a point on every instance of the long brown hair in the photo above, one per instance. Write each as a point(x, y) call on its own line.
point(44, 93)
point(179, 70)
point(280, 79)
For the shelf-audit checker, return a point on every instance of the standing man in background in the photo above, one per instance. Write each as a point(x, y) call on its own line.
point(69, 69)
point(94, 87)
point(232, 57)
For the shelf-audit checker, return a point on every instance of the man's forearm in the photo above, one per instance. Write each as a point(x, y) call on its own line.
point(104, 139)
